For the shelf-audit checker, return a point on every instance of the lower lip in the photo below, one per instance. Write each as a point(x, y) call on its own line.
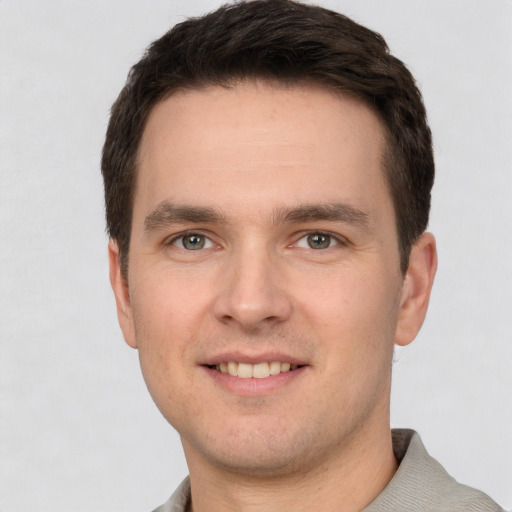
point(255, 387)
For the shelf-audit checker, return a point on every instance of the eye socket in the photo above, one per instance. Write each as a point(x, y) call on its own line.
point(317, 241)
point(192, 242)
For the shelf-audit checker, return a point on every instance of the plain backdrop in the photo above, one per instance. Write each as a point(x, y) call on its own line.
point(78, 430)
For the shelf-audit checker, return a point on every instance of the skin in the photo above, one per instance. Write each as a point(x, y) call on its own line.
point(257, 158)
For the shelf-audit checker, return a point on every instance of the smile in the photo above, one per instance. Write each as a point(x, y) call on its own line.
point(254, 371)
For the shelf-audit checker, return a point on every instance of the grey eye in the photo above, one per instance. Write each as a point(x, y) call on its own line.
point(319, 241)
point(193, 242)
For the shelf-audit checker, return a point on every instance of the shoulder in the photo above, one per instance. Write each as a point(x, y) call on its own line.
point(422, 484)
point(179, 500)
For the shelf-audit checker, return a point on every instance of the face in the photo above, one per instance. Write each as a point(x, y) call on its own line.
point(265, 292)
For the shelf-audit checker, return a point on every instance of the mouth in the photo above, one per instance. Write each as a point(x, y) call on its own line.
point(254, 371)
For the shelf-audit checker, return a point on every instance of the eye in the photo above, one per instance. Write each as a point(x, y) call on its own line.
point(317, 241)
point(192, 242)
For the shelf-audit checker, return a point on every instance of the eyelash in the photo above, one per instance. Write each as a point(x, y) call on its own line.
point(207, 242)
point(182, 236)
point(332, 238)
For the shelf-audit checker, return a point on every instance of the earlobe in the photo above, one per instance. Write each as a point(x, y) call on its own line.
point(416, 289)
point(122, 295)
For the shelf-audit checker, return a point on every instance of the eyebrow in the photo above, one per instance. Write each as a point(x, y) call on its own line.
point(166, 213)
point(334, 212)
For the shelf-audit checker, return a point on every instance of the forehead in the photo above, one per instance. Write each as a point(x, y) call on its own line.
point(221, 115)
point(264, 142)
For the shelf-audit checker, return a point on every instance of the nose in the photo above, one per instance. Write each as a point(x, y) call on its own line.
point(252, 292)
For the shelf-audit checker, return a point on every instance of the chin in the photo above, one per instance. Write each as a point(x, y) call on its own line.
point(255, 464)
point(260, 454)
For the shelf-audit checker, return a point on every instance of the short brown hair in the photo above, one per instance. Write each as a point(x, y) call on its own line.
point(280, 41)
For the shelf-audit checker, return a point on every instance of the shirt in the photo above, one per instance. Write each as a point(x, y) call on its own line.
point(420, 484)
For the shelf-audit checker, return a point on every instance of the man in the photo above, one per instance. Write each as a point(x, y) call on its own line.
point(267, 173)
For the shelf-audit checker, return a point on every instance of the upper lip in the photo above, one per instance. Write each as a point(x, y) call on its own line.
point(254, 358)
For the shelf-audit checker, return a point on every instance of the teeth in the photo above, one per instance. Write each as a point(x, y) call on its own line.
point(233, 368)
point(260, 370)
point(244, 370)
point(275, 367)
point(256, 371)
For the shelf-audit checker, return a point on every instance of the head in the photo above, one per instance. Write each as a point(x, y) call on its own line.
point(267, 170)
point(281, 42)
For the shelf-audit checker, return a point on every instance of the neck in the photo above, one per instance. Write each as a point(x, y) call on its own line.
point(350, 479)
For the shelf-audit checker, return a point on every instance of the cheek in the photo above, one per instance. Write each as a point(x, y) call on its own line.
point(164, 337)
point(164, 323)
point(355, 318)
point(360, 299)
point(167, 303)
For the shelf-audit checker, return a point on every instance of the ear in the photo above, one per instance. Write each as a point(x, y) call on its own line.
point(122, 295)
point(416, 289)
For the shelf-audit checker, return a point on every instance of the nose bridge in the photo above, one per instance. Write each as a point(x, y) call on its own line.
point(251, 291)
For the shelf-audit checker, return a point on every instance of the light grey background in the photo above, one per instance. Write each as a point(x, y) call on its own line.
point(78, 430)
